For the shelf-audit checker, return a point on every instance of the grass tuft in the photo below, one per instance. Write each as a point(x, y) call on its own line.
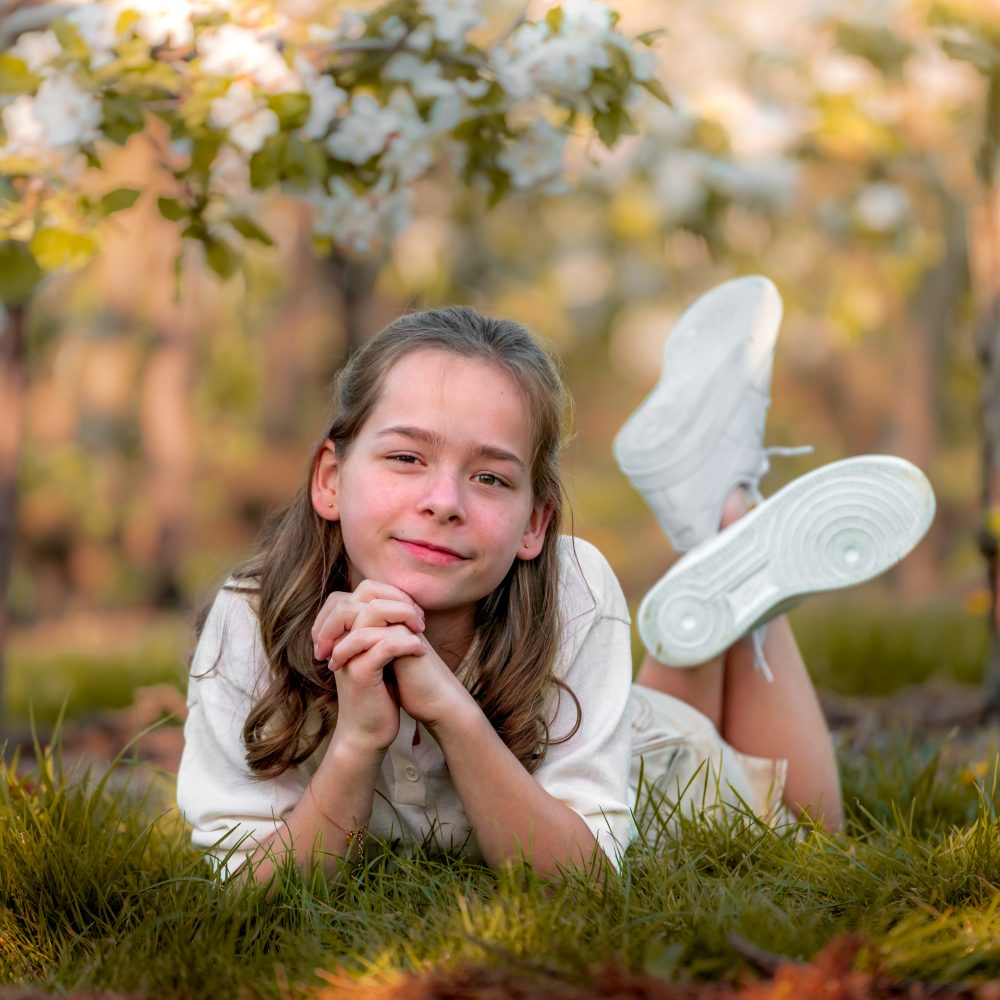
point(101, 890)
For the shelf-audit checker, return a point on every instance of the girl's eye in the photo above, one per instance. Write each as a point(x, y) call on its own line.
point(488, 479)
point(405, 459)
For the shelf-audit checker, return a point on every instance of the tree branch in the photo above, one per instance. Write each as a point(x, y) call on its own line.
point(30, 19)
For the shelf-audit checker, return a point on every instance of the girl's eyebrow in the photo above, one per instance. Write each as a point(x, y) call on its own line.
point(429, 437)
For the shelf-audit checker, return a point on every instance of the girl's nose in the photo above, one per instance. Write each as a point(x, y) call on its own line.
point(443, 496)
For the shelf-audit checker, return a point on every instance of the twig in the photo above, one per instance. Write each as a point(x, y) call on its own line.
point(764, 961)
point(31, 19)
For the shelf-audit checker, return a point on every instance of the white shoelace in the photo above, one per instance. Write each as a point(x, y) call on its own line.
point(758, 635)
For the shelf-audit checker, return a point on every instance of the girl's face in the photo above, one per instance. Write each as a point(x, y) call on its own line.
point(434, 495)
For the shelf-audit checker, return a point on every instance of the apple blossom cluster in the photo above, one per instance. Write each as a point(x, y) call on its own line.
point(345, 110)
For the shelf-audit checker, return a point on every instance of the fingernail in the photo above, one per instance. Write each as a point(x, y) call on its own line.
point(316, 650)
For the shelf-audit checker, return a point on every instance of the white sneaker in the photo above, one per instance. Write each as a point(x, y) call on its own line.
point(839, 525)
point(700, 432)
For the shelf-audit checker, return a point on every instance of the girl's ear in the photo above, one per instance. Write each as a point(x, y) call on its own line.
point(325, 482)
point(534, 535)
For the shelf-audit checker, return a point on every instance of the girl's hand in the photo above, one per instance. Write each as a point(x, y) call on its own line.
point(429, 690)
point(390, 606)
point(368, 716)
point(380, 619)
point(368, 708)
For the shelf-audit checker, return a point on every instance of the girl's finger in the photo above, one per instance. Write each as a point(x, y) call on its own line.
point(371, 590)
point(334, 604)
point(378, 603)
point(336, 619)
point(384, 612)
point(369, 649)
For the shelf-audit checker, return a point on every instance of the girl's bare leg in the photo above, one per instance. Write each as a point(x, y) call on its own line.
point(782, 719)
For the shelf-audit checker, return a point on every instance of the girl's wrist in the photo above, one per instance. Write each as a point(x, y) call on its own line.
point(466, 717)
point(350, 750)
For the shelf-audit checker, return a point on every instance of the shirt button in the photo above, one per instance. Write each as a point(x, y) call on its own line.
point(412, 774)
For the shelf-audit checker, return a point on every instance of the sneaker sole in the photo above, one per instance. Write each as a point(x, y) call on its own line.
point(734, 323)
point(837, 526)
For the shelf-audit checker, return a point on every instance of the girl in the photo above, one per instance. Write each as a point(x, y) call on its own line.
point(416, 651)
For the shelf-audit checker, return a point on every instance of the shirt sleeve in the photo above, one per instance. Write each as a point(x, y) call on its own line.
point(229, 808)
point(589, 771)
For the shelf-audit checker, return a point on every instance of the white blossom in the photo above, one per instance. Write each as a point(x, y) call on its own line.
point(452, 20)
point(230, 176)
point(882, 207)
point(586, 20)
point(410, 150)
point(97, 25)
point(518, 63)
point(234, 51)
point(364, 131)
point(360, 222)
point(162, 22)
point(351, 25)
point(679, 183)
point(534, 157)
point(534, 59)
point(768, 180)
point(248, 120)
point(37, 49)
point(423, 78)
point(25, 130)
point(71, 116)
point(326, 99)
point(393, 29)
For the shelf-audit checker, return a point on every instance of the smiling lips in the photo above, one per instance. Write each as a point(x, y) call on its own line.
point(436, 555)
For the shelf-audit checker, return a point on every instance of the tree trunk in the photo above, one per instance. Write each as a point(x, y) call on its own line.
point(168, 439)
point(929, 321)
point(355, 282)
point(13, 385)
point(984, 244)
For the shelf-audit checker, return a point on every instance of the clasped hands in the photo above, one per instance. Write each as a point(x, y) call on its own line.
point(360, 634)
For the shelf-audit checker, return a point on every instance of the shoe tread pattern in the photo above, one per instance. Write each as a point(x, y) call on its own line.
point(840, 525)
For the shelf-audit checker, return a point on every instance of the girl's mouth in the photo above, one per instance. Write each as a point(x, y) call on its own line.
point(436, 555)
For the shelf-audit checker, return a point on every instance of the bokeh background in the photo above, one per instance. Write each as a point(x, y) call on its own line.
point(832, 147)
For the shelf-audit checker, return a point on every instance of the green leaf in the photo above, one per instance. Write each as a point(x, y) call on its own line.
point(172, 209)
point(118, 200)
point(15, 77)
point(247, 227)
point(19, 273)
point(292, 109)
point(221, 258)
point(610, 124)
point(656, 88)
point(123, 117)
point(648, 37)
point(265, 165)
point(304, 162)
point(554, 19)
point(500, 185)
point(69, 37)
point(61, 249)
point(203, 153)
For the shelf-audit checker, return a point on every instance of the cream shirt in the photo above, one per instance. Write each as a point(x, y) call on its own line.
point(415, 799)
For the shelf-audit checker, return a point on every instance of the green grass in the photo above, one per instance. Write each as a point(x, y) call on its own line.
point(74, 683)
point(876, 647)
point(101, 890)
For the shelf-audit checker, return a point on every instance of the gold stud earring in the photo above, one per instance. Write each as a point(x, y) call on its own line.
point(329, 503)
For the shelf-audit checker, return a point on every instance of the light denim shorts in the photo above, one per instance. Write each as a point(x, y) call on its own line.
point(682, 765)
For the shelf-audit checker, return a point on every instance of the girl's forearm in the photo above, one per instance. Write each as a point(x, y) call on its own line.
point(326, 823)
point(512, 816)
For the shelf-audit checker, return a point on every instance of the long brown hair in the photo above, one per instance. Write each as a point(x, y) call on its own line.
point(301, 559)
